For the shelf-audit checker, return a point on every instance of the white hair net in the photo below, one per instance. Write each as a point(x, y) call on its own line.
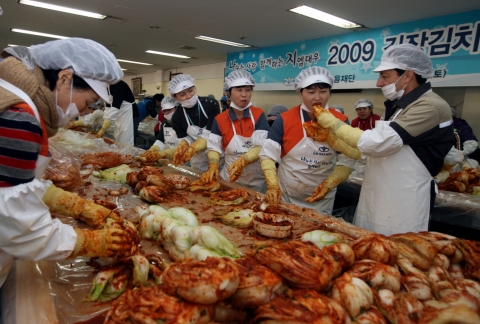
point(179, 83)
point(338, 108)
point(238, 78)
point(312, 75)
point(87, 59)
point(168, 103)
point(363, 103)
point(277, 110)
point(406, 57)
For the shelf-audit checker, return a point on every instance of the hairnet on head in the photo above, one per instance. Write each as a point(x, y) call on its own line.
point(406, 57)
point(179, 83)
point(312, 75)
point(338, 108)
point(168, 103)
point(454, 112)
point(275, 111)
point(363, 103)
point(238, 78)
point(88, 59)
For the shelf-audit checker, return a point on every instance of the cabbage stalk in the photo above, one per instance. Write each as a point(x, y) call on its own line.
point(201, 253)
point(238, 218)
point(214, 240)
point(99, 283)
point(118, 173)
point(183, 215)
point(323, 238)
point(141, 267)
point(181, 237)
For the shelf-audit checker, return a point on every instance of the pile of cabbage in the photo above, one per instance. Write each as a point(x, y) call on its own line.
point(178, 231)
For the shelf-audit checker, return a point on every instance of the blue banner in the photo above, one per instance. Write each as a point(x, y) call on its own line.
point(452, 42)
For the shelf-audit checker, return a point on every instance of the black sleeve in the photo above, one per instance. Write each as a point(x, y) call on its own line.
point(262, 123)
point(276, 131)
point(151, 109)
point(212, 113)
point(160, 136)
point(179, 124)
point(121, 92)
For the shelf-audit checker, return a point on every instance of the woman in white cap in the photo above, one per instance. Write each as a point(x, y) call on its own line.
point(41, 89)
point(167, 138)
point(303, 161)
point(191, 122)
point(239, 133)
point(405, 151)
point(366, 118)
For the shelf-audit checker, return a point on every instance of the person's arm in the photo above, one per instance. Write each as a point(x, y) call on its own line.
point(161, 135)
point(179, 124)
point(213, 111)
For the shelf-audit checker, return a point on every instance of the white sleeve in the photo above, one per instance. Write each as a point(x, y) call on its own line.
point(205, 134)
point(98, 114)
point(27, 229)
point(259, 137)
point(469, 147)
point(453, 156)
point(111, 113)
point(383, 140)
point(88, 120)
point(270, 150)
point(188, 139)
point(214, 143)
point(346, 161)
point(160, 145)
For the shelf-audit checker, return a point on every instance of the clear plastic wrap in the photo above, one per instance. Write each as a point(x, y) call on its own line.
point(64, 169)
point(147, 126)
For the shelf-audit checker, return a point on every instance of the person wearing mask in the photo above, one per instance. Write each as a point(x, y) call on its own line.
point(167, 135)
point(465, 139)
point(304, 162)
point(366, 118)
point(148, 106)
point(405, 151)
point(120, 113)
point(42, 88)
point(223, 103)
point(275, 112)
point(191, 122)
point(239, 132)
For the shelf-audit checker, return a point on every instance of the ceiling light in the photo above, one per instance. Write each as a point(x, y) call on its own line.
point(62, 9)
point(167, 54)
point(124, 69)
point(13, 45)
point(133, 62)
point(221, 41)
point(23, 31)
point(323, 16)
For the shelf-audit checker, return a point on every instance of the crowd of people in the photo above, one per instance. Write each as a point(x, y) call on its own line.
point(298, 155)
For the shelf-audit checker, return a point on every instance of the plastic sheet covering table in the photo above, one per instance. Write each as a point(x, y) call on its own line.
point(53, 292)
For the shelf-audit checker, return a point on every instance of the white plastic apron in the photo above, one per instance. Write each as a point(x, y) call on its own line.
point(199, 160)
point(303, 169)
point(252, 175)
point(123, 130)
point(42, 161)
point(395, 194)
point(170, 137)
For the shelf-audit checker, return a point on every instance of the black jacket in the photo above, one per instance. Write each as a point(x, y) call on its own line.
point(179, 123)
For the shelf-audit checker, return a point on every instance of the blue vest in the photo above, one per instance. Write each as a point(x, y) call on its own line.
point(142, 108)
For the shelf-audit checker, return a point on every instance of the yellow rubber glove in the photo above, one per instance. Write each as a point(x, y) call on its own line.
point(197, 146)
point(212, 171)
point(273, 194)
point(343, 131)
point(106, 242)
point(106, 124)
point(69, 204)
point(340, 173)
point(78, 123)
point(155, 155)
point(181, 148)
point(236, 169)
point(342, 147)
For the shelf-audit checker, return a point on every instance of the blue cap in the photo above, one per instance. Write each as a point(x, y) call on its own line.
point(224, 98)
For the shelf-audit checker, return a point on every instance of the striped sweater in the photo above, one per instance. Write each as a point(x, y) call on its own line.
point(20, 144)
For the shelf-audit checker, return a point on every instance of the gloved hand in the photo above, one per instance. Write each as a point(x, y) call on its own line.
point(343, 131)
point(106, 124)
point(340, 173)
point(181, 148)
point(106, 242)
point(273, 194)
point(212, 171)
point(77, 123)
point(198, 146)
point(154, 153)
point(342, 147)
point(69, 204)
point(236, 168)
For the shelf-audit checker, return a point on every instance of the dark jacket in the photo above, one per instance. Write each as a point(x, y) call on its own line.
point(179, 123)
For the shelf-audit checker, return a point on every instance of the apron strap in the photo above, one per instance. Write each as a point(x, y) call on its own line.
point(251, 117)
point(19, 93)
point(303, 120)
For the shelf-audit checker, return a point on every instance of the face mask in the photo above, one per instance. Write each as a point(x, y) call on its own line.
point(72, 111)
point(390, 91)
point(169, 116)
point(189, 103)
point(233, 105)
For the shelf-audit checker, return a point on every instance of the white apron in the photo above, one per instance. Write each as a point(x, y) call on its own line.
point(123, 130)
point(170, 137)
point(303, 169)
point(199, 160)
point(252, 175)
point(393, 198)
point(42, 161)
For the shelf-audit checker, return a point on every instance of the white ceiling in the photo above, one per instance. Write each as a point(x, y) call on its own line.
point(260, 23)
